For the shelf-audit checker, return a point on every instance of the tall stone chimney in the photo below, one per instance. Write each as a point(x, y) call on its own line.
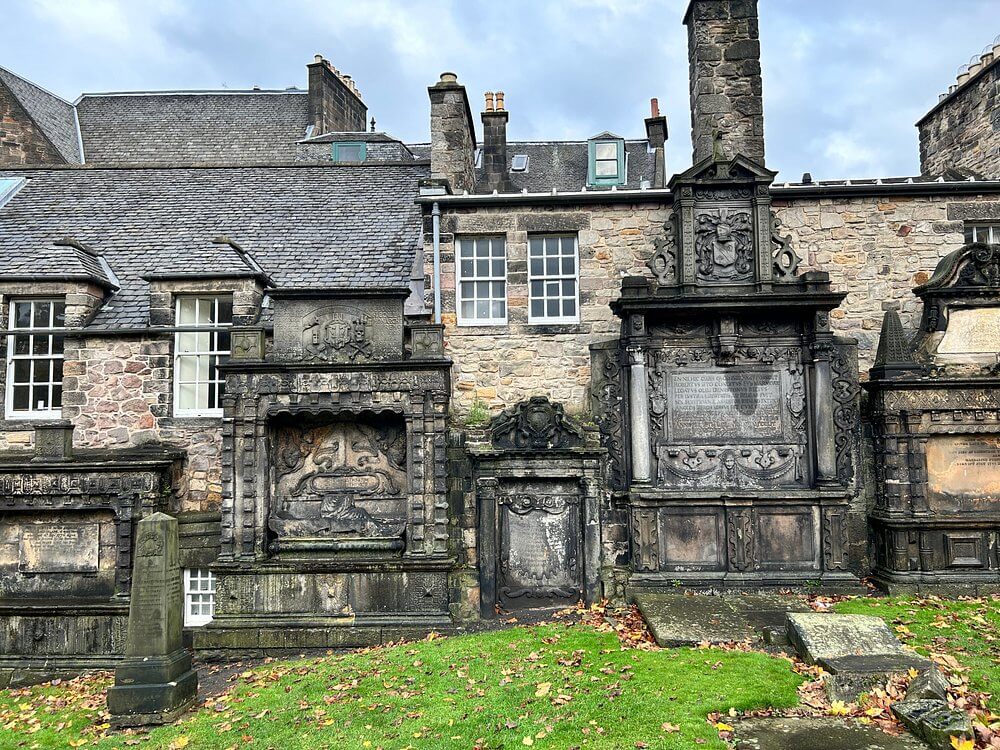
point(495, 165)
point(656, 135)
point(727, 109)
point(453, 135)
point(335, 104)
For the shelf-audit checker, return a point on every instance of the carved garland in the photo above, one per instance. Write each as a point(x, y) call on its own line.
point(609, 396)
point(845, 412)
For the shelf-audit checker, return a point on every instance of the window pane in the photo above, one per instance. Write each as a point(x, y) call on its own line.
point(970, 234)
point(186, 311)
point(40, 344)
point(552, 308)
point(187, 369)
point(42, 371)
point(537, 267)
point(40, 318)
point(537, 308)
point(497, 267)
point(223, 341)
point(498, 310)
point(568, 265)
point(467, 288)
point(57, 344)
point(468, 308)
point(551, 265)
point(186, 342)
point(22, 344)
point(22, 314)
point(569, 288)
point(606, 169)
point(482, 309)
point(482, 267)
point(225, 316)
point(466, 268)
point(536, 288)
point(497, 290)
point(606, 150)
point(58, 313)
point(57, 367)
point(21, 400)
point(569, 308)
point(57, 396)
point(22, 370)
point(206, 310)
point(40, 397)
point(187, 396)
point(535, 246)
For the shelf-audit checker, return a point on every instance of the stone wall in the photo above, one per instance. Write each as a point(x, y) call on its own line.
point(875, 248)
point(963, 131)
point(453, 135)
point(726, 86)
point(118, 392)
point(21, 140)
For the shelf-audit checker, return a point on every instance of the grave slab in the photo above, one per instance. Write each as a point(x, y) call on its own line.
point(680, 620)
point(820, 636)
point(933, 721)
point(816, 734)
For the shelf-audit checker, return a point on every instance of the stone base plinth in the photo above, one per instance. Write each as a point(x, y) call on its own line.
point(152, 690)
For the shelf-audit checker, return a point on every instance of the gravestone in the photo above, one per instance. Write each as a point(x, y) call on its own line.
point(154, 683)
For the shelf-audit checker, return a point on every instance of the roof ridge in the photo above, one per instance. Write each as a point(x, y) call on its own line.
point(40, 88)
point(190, 92)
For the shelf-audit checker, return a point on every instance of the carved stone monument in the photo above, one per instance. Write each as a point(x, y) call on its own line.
point(154, 683)
point(538, 488)
point(66, 548)
point(334, 511)
point(935, 403)
point(728, 405)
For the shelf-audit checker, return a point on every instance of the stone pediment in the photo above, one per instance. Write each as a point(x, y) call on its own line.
point(972, 268)
point(738, 169)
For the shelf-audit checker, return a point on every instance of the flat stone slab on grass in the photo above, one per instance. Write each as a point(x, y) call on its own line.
point(766, 609)
point(819, 636)
point(680, 620)
point(816, 734)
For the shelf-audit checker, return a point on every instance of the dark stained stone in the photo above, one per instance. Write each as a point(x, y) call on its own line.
point(679, 620)
point(933, 721)
point(815, 734)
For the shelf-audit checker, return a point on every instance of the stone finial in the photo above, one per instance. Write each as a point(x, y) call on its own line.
point(894, 354)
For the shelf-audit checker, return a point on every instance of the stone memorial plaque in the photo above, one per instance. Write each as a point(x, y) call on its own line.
point(724, 405)
point(350, 331)
point(59, 548)
point(963, 472)
point(972, 331)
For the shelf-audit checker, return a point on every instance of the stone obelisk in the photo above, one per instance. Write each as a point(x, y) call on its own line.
point(154, 683)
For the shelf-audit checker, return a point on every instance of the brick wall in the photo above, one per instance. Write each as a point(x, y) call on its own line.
point(964, 130)
point(21, 140)
point(875, 249)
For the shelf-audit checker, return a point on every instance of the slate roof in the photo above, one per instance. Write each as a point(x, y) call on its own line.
point(193, 127)
point(53, 115)
point(321, 226)
point(562, 165)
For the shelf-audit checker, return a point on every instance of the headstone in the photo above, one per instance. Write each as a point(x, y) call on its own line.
point(154, 683)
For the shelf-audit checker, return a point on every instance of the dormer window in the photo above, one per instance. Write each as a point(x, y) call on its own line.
point(606, 164)
point(348, 152)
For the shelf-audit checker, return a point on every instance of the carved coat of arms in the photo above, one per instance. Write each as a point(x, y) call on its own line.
point(337, 334)
point(724, 245)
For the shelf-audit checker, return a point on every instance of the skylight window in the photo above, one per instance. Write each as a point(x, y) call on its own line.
point(9, 187)
point(349, 152)
point(519, 163)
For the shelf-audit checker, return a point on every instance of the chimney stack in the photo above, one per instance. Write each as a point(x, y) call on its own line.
point(726, 88)
point(453, 135)
point(495, 165)
point(656, 134)
point(335, 104)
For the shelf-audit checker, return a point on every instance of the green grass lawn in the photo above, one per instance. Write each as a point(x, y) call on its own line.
point(968, 630)
point(549, 686)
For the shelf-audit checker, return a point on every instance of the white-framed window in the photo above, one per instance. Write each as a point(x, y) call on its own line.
point(35, 358)
point(481, 281)
point(982, 233)
point(553, 279)
point(198, 384)
point(199, 596)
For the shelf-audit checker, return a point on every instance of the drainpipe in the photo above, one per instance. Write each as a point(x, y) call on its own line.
point(436, 222)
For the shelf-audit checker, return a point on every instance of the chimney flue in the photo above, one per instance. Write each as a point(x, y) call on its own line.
point(489, 101)
point(500, 101)
point(495, 166)
point(726, 87)
point(654, 107)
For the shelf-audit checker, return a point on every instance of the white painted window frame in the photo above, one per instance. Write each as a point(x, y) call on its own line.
point(194, 576)
point(9, 411)
point(475, 278)
point(983, 231)
point(213, 330)
point(559, 277)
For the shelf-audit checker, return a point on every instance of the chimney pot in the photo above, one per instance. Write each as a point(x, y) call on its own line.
point(489, 101)
point(318, 58)
point(448, 77)
point(654, 107)
point(500, 107)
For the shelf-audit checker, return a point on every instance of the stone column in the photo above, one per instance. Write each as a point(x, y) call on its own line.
point(822, 407)
point(154, 683)
point(639, 412)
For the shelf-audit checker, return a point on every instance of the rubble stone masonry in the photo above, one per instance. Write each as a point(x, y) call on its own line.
point(21, 140)
point(963, 130)
point(875, 248)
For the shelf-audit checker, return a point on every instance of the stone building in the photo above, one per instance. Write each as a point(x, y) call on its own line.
point(388, 387)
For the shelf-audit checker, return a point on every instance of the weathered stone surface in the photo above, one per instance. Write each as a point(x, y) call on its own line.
point(821, 636)
point(850, 676)
point(815, 734)
point(680, 620)
point(933, 721)
point(929, 685)
point(963, 472)
point(155, 682)
point(972, 331)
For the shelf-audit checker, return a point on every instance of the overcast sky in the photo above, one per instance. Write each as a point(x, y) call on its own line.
point(844, 80)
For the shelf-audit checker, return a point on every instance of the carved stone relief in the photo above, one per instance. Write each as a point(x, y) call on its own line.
point(341, 333)
point(724, 244)
point(663, 262)
point(535, 424)
point(339, 478)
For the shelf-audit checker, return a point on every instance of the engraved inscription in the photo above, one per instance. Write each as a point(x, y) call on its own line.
point(60, 548)
point(972, 331)
point(724, 405)
point(963, 472)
